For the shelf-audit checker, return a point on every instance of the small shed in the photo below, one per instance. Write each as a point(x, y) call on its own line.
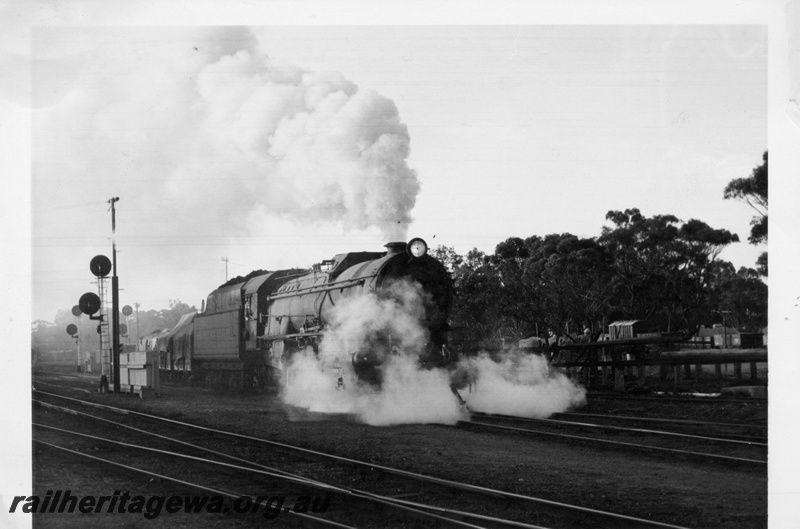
point(752, 340)
point(625, 330)
point(721, 336)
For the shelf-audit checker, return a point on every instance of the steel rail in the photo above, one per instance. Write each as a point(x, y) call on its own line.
point(300, 478)
point(634, 430)
point(196, 486)
point(661, 419)
point(57, 386)
point(619, 443)
point(53, 373)
point(422, 477)
point(673, 398)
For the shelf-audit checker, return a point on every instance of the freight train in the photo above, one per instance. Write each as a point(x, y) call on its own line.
point(251, 327)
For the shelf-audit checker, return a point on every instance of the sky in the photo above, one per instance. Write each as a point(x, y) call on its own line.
point(244, 130)
point(280, 146)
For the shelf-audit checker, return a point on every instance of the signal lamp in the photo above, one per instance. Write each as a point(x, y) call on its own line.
point(89, 303)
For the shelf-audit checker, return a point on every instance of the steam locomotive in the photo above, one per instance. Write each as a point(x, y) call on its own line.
point(251, 327)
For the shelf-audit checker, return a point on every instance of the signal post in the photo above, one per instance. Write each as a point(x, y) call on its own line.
point(114, 297)
point(90, 303)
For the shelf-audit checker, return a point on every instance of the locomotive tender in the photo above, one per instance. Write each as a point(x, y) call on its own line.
point(250, 329)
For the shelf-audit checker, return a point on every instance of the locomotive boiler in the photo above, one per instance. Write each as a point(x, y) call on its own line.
point(251, 327)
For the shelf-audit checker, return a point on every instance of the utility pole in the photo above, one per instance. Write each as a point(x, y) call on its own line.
point(725, 329)
point(114, 297)
point(225, 260)
point(137, 324)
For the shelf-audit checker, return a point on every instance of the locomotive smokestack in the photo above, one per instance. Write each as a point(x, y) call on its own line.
point(393, 248)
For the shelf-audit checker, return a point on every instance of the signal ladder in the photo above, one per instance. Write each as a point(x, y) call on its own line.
point(106, 343)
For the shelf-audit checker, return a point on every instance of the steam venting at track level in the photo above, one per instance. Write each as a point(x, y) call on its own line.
point(522, 385)
point(390, 329)
point(408, 390)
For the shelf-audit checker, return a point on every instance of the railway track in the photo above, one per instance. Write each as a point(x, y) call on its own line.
point(682, 399)
point(708, 446)
point(251, 461)
point(725, 430)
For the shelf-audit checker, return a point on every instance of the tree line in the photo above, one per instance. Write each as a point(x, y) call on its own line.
point(46, 336)
point(660, 270)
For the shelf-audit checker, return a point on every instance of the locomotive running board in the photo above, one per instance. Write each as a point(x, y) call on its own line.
point(290, 336)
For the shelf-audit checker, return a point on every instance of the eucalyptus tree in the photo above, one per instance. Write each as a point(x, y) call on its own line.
point(662, 267)
point(754, 191)
point(741, 296)
point(570, 281)
point(476, 314)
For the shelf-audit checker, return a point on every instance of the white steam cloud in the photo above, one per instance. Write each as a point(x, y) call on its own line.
point(326, 151)
point(521, 385)
point(407, 394)
point(202, 133)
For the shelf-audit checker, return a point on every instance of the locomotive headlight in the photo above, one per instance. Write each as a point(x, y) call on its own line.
point(417, 247)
